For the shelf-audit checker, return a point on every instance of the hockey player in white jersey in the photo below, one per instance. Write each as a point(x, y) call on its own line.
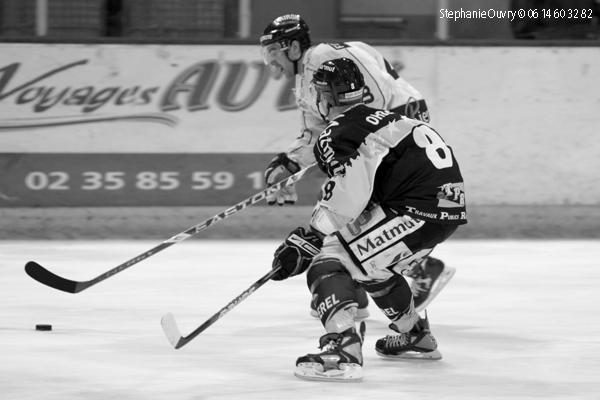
point(287, 50)
point(394, 191)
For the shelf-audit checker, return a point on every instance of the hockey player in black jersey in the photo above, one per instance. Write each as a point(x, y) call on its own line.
point(394, 191)
point(287, 50)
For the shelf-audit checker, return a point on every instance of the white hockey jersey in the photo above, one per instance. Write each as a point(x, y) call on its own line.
point(384, 90)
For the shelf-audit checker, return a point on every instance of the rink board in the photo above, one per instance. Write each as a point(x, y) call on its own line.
point(134, 140)
point(519, 119)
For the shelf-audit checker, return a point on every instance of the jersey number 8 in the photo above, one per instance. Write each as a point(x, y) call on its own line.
point(438, 153)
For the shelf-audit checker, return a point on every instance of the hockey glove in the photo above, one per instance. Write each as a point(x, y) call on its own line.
point(296, 253)
point(280, 168)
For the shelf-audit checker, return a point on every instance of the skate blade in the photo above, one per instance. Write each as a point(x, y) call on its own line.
point(361, 313)
point(312, 372)
point(437, 287)
point(414, 355)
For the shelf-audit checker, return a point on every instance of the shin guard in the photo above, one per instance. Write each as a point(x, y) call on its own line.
point(394, 297)
point(333, 293)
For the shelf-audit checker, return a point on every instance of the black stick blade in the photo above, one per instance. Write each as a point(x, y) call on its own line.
point(42, 275)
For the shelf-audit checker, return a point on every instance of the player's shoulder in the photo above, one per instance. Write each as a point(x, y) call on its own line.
point(348, 131)
point(327, 51)
point(330, 50)
point(361, 45)
point(368, 117)
point(356, 123)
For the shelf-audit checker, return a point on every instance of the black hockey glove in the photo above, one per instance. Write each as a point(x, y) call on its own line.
point(296, 253)
point(280, 168)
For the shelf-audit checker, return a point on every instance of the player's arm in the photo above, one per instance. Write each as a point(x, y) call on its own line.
point(345, 195)
point(297, 156)
point(301, 149)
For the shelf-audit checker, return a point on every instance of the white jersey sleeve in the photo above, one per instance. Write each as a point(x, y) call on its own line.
point(383, 90)
point(345, 196)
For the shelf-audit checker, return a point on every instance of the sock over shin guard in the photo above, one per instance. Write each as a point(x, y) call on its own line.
point(332, 288)
point(393, 297)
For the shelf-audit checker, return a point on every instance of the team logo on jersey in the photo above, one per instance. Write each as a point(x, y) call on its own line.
point(416, 109)
point(451, 195)
point(327, 158)
point(411, 108)
point(384, 237)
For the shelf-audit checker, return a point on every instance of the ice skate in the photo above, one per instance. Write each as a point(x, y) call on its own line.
point(419, 343)
point(362, 312)
point(428, 280)
point(340, 361)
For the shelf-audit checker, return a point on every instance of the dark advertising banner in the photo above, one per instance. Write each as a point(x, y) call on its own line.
point(74, 180)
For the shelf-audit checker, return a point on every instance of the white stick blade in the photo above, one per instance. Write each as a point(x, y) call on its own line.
point(170, 329)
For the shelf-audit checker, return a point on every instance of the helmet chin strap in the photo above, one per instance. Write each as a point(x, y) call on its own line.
point(294, 62)
point(323, 116)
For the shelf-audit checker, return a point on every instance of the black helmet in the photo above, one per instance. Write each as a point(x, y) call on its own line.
point(284, 29)
point(342, 79)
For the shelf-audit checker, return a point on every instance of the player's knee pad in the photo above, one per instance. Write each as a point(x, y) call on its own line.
point(392, 296)
point(332, 288)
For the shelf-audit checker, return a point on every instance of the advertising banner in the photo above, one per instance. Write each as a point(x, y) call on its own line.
point(111, 125)
point(135, 179)
point(141, 99)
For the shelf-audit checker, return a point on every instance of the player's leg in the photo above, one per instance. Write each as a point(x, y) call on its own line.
point(427, 275)
point(416, 340)
point(362, 311)
point(334, 296)
point(427, 279)
point(412, 338)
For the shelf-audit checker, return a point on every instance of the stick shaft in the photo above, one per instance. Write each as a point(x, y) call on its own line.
point(48, 278)
point(169, 324)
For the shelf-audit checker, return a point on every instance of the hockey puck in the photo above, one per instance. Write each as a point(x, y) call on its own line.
point(43, 327)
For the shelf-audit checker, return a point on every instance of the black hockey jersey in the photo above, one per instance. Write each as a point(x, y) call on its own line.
point(373, 155)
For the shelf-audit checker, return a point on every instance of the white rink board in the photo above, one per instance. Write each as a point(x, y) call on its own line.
point(518, 321)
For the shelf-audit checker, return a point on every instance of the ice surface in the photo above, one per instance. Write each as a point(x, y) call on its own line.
point(519, 320)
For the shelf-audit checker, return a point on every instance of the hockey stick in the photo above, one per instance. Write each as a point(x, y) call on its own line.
point(172, 332)
point(48, 278)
